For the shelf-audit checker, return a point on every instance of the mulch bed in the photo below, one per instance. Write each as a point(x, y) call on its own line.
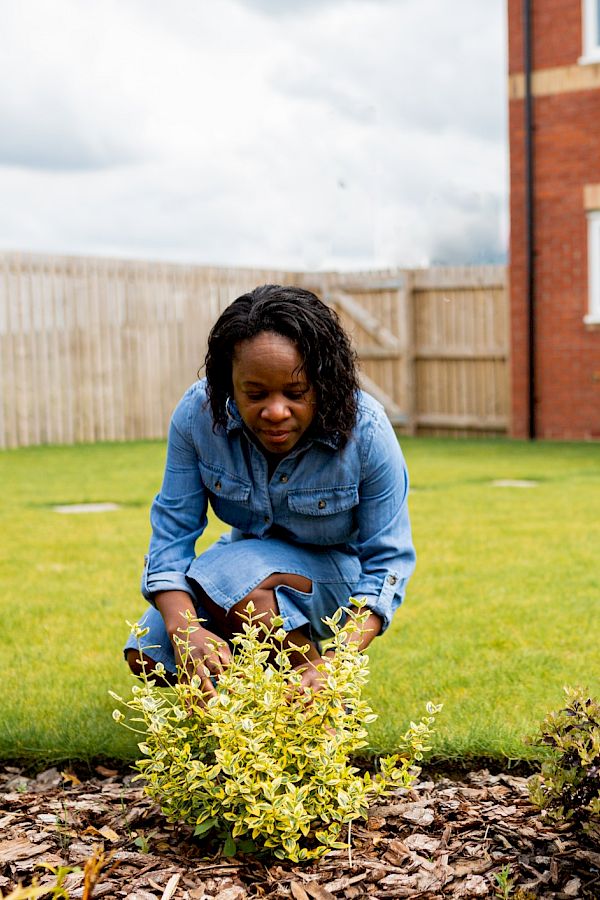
point(443, 838)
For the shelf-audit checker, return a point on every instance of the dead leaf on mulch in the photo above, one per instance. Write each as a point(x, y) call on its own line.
point(20, 848)
point(442, 839)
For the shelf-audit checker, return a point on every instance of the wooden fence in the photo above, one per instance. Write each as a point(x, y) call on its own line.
point(100, 350)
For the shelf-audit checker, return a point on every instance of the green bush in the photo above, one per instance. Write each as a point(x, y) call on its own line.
point(263, 765)
point(568, 788)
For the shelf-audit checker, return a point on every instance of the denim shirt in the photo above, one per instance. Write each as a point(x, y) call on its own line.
point(352, 498)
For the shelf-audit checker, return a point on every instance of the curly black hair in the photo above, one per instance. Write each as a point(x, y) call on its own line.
point(329, 360)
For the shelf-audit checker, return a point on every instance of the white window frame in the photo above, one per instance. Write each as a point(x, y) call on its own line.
point(590, 26)
point(593, 316)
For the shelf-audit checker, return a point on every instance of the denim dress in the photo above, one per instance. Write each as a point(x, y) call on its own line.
point(335, 514)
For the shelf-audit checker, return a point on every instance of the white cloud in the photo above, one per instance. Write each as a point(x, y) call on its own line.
point(349, 134)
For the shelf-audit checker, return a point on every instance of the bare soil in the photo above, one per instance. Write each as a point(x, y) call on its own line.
point(444, 838)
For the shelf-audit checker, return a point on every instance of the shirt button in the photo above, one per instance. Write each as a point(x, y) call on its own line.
point(283, 478)
point(217, 485)
point(322, 504)
point(267, 519)
point(391, 579)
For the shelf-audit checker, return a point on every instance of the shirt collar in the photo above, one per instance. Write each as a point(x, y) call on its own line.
point(235, 423)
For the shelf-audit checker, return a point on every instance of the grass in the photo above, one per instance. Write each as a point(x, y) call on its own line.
point(503, 609)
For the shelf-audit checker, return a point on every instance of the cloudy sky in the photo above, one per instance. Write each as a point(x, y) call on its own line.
point(283, 133)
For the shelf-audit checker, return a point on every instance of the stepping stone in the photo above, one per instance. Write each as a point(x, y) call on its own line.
point(509, 482)
point(87, 508)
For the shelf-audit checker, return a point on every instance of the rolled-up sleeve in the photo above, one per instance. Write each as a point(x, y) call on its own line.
point(178, 513)
point(384, 545)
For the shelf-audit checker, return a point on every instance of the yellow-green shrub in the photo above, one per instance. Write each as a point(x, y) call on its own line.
point(262, 763)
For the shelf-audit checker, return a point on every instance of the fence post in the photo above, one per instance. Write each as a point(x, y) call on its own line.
point(407, 300)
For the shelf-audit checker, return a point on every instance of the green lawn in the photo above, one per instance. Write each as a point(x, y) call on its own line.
point(503, 610)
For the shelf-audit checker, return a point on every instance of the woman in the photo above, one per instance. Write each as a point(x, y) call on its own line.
point(305, 468)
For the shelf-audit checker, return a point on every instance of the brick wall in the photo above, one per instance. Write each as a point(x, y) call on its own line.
point(567, 157)
point(556, 31)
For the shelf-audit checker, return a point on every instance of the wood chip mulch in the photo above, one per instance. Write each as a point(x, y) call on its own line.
point(444, 839)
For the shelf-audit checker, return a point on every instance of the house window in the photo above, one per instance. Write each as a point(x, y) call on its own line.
point(594, 267)
point(591, 31)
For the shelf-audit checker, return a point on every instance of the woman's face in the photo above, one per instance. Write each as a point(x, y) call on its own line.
point(271, 391)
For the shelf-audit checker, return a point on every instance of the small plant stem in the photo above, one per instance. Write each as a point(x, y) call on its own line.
point(350, 843)
point(135, 730)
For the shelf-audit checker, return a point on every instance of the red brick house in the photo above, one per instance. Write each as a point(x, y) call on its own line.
point(554, 120)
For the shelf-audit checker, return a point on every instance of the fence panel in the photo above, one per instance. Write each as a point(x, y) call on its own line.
point(372, 309)
point(461, 350)
point(100, 349)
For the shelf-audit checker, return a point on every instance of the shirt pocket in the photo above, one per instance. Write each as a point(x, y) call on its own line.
point(323, 515)
point(229, 496)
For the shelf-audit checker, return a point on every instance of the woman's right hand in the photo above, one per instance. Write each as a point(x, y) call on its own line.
point(198, 651)
point(202, 653)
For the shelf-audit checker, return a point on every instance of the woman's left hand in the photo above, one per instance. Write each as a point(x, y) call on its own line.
point(313, 674)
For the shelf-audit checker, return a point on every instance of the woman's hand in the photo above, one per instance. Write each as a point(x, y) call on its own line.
point(202, 653)
point(198, 651)
point(313, 678)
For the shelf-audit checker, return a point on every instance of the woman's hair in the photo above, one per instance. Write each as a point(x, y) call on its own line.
point(329, 361)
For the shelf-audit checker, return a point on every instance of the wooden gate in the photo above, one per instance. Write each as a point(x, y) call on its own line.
point(433, 345)
point(376, 315)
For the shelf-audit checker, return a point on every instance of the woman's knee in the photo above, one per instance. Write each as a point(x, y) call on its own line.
point(263, 595)
point(134, 661)
point(298, 582)
point(139, 664)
